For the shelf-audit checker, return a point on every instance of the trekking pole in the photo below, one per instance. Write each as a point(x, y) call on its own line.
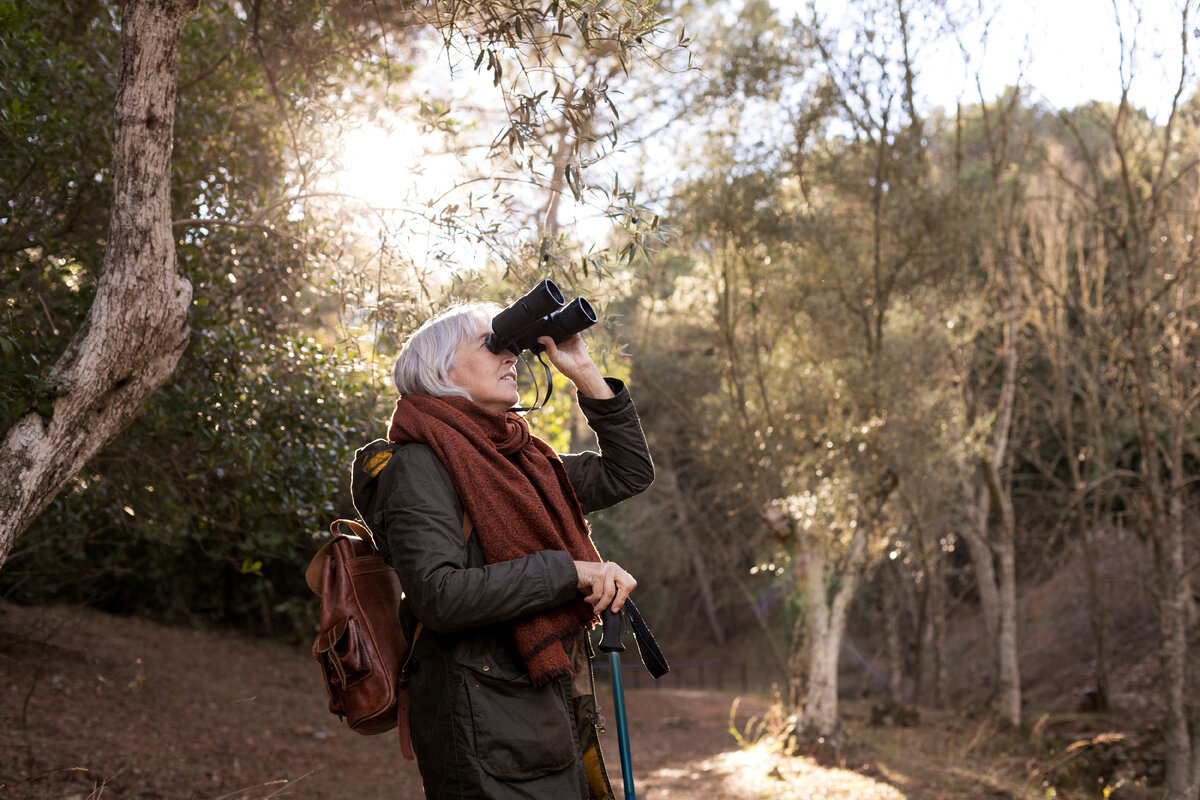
point(610, 643)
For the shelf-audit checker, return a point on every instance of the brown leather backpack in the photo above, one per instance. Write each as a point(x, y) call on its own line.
point(363, 652)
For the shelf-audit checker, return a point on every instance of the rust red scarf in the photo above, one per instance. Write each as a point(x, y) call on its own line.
point(515, 489)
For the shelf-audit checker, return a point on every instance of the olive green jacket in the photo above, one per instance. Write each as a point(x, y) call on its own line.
point(480, 728)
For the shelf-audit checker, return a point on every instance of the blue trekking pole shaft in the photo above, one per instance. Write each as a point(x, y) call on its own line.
point(610, 643)
point(614, 662)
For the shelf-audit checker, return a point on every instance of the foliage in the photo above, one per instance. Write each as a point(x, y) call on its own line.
point(206, 509)
point(58, 95)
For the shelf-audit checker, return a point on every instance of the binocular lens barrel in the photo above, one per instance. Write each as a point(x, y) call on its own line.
point(539, 301)
point(539, 313)
point(577, 316)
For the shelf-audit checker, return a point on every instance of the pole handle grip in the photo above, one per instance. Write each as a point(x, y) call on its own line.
point(610, 642)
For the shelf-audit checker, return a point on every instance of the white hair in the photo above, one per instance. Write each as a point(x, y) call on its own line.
point(428, 356)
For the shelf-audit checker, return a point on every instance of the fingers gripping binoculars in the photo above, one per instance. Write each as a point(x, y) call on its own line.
point(541, 312)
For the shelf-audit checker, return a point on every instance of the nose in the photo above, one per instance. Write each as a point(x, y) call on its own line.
point(508, 358)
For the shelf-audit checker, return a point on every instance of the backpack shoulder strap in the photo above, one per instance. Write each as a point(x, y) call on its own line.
point(312, 575)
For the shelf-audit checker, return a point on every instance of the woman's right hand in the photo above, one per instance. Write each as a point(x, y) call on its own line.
point(604, 584)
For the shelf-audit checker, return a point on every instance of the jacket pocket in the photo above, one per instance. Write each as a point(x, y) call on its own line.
point(521, 731)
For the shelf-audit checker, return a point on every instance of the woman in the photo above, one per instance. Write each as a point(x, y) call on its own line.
point(501, 688)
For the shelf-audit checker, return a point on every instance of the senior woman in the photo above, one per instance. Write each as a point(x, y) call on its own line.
point(501, 691)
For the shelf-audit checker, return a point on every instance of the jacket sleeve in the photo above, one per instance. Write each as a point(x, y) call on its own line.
point(623, 467)
point(445, 582)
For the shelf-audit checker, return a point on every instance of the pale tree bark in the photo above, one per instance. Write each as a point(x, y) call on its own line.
point(825, 627)
point(983, 564)
point(922, 641)
point(822, 623)
point(1007, 701)
point(992, 546)
point(136, 329)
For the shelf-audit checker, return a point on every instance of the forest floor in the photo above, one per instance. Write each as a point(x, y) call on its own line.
point(95, 706)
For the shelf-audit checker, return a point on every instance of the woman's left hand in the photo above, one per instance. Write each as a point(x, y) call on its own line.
point(604, 584)
point(574, 362)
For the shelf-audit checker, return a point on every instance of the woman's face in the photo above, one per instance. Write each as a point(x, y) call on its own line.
point(490, 379)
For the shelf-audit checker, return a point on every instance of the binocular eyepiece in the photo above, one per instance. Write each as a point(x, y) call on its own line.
point(541, 312)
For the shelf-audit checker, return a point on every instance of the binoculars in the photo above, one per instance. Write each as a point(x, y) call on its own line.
point(541, 312)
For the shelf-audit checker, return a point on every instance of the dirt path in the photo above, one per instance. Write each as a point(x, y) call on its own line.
point(683, 749)
point(94, 706)
point(146, 711)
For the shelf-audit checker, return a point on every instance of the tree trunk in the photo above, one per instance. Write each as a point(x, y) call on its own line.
point(1086, 520)
point(937, 621)
point(824, 626)
point(1008, 688)
point(1008, 685)
point(706, 595)
point(1194, 789)
point(1161, 523)
point(1174, 650)
point(994, 560)
point(993, 548)
point(821, 711)
point(670, 480)
point(136, 329)
point(819, 715)
point(921, 645)
point(983, 563)
point(930, 669)
point(1174, 607)
point(1097, 609)
point(929, 647)
point(820, 718)
point(893, 615)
